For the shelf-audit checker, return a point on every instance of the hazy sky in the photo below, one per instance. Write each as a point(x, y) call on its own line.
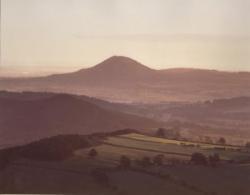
point(61, 35)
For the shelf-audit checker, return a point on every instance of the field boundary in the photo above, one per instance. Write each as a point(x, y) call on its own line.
point(148, 150)
point(180, 141)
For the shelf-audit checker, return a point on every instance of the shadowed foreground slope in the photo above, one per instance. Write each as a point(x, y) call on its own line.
point(26, 120)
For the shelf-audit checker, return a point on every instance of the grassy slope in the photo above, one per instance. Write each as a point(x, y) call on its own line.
point(173, 147)
point(225, 179)
point(74, 175)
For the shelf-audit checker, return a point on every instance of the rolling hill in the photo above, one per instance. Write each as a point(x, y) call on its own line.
point(23, 120)
point(123, 79)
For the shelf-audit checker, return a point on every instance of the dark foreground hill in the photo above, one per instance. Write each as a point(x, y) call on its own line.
point(123, 79)
point(23, 120)
point(123, 162)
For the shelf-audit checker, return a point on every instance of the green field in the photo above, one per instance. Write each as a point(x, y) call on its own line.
point(225, 179)
point(137, 146)
point(142, 137)
point(182, 149)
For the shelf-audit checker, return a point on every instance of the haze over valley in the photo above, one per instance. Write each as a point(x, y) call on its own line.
point(125, 97)
point(123, 79)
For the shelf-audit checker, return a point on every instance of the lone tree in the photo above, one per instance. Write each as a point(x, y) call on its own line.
point(125, 162)
point(199, 159)
point(158, 159)
point(222, 141)
point(92, 153)
point(214, 159)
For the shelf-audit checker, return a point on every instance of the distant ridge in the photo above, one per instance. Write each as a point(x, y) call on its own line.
point(123, 79)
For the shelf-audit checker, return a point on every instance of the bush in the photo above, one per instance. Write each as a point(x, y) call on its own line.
point(222, 141)
point(92, 153)
point(125, 162)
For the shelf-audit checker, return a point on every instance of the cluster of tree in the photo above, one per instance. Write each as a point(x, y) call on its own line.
point(126, 162)
point(168, 133)
point(55, 148)
point(209, 140)
point(200, 159)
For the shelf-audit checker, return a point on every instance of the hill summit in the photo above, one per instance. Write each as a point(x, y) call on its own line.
point(123, 79)
point(112, 71)
point(121, 63)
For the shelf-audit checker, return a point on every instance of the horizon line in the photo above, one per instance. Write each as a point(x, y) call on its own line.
point(49, 70)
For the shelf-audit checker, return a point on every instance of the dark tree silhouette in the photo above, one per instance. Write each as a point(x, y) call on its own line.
point(171, 133)
point(56, 148)
point(93, 153)
point(125, 162)
point(222, 141)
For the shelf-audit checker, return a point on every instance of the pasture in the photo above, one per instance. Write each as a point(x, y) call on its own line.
point(226, 178)
point(137, 146)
